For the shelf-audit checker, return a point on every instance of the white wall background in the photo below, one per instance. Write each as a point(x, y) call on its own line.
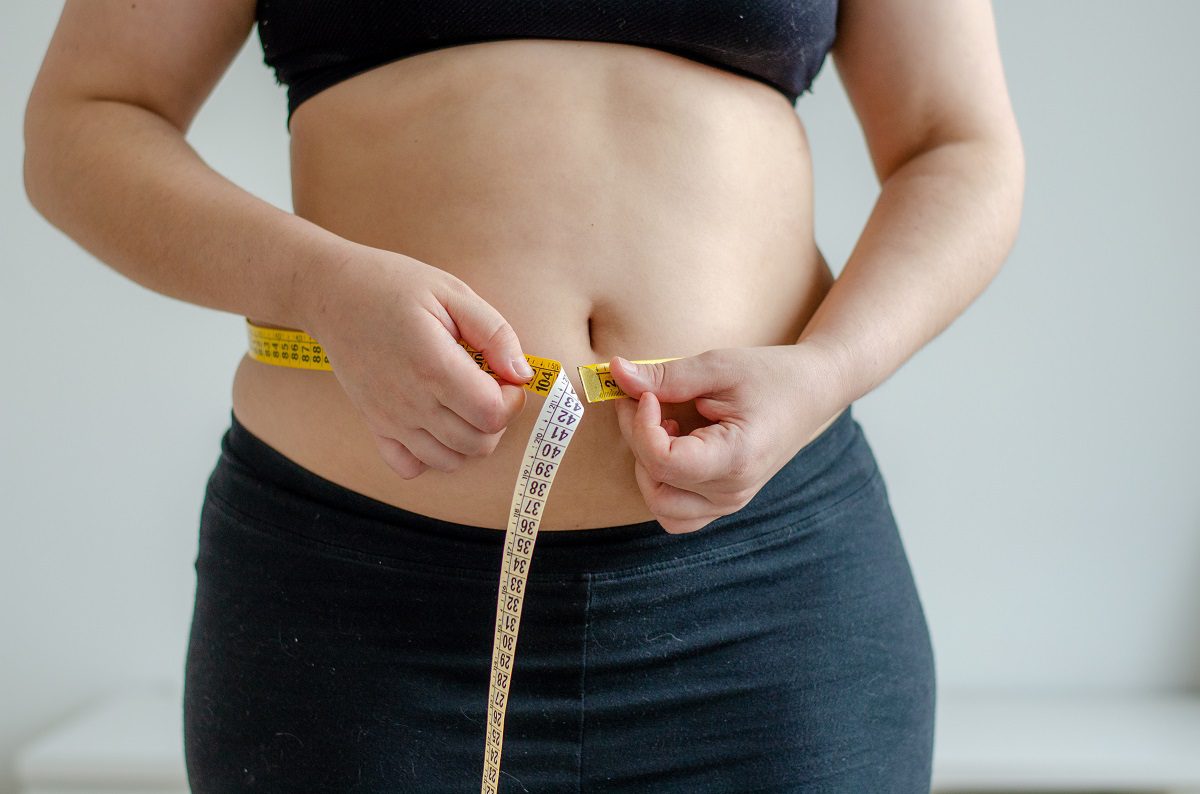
point(1041, 454)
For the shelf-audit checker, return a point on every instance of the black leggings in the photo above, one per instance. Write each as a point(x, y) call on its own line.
point(342, 644)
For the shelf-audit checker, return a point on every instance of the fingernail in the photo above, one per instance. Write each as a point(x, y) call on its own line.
point(630, 369)
point(522, 367)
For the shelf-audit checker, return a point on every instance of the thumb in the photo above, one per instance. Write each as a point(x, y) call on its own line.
point(672, 380)
point(486, 330)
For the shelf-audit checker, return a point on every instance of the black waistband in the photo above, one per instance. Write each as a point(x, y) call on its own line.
point(259, 481)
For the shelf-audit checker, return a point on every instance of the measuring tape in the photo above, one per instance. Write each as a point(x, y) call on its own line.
point(556, 424)
point(290, 348)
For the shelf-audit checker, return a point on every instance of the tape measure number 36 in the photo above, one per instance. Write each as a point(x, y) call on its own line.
point(559, 418)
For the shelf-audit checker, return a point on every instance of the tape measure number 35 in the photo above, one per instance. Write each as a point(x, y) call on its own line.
point(559, 418)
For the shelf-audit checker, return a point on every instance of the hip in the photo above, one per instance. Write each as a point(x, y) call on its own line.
point(336, 636)
point(258, 485)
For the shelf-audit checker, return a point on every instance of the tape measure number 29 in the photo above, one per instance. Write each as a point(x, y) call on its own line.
point(559, 418)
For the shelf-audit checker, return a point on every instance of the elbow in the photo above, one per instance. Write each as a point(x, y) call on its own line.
point(29, 171)
point(1005, 170)
point(37, 152)
point(1000, 163)
point(33, 183)
point(993, 164)
point(47, 170)
point(999, 179)
point(1011, 187)
point(997, 169)
point(990, 165)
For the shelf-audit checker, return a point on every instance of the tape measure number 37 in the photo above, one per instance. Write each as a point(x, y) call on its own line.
point(559, 418)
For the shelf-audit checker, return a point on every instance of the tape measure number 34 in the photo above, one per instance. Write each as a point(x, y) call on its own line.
point(560, 416)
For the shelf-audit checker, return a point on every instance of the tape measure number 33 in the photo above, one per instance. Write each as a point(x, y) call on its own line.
point(561, 415)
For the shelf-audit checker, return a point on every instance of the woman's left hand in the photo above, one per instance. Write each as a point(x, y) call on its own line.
point(766, 404)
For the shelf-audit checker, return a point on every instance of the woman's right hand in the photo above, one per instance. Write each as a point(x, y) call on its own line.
point(389, 325)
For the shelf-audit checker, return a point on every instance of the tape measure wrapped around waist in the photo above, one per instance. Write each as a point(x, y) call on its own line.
point(287, 347)
point(560, 416)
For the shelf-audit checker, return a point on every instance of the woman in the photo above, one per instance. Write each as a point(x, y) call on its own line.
point(719, 599)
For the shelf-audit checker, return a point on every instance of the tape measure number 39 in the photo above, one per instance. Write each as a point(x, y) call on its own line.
point(559, 418)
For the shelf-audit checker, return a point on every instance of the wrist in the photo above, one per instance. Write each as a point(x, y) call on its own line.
point(832, 362)
point(314, 280)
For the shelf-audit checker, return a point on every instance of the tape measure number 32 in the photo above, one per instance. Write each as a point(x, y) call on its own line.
point(559, 418)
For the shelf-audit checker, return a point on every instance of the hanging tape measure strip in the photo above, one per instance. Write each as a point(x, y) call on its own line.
point(555, 427)
point(561, 415)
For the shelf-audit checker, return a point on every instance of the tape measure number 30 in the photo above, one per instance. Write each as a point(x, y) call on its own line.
point(559, 418)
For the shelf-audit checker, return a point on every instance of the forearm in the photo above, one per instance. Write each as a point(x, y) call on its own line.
point(126, 186)
point(941, 228)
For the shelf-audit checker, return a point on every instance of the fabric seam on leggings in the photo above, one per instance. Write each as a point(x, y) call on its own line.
point(587, 625)
point(737, 549)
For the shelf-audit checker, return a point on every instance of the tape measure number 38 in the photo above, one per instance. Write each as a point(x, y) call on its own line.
point(560, 417)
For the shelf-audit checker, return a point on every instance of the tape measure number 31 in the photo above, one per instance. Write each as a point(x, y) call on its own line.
point(559, 418)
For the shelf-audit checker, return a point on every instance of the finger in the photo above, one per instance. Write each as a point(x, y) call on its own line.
point(476, 396)
point(432, 452)
point(676, 527)
point(625, 408)
point(397, 457)
point(674, 381)
point(678, 510)
point(460, 435)
point(705, 454)
point(486, 330)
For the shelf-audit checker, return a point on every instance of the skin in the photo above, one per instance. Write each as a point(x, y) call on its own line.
point(662, 206)
point(927, 84)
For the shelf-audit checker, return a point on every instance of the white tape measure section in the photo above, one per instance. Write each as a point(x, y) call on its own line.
point(556, 424)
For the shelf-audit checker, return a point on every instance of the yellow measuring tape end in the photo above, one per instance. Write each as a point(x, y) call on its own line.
point(599, 384)
point(292, 348)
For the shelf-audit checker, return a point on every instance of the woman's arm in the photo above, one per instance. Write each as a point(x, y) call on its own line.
point(106, 160)
point(928, 86)
point(926, 80)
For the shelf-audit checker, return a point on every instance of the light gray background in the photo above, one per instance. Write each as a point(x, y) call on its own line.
point(1040, 454)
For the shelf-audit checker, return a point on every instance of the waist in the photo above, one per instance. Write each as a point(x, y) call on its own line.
point(255, 481)
point(308, 416)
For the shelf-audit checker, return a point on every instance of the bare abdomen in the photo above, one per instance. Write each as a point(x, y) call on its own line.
point(606, 199)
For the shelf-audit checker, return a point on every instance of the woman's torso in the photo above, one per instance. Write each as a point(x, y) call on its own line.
point(659, 206)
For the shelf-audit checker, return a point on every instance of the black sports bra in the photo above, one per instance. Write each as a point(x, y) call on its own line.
point(312, 44)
